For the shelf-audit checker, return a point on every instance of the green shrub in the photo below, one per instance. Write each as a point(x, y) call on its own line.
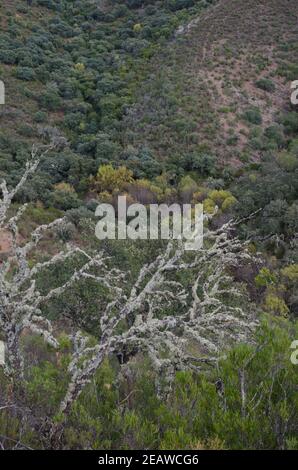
point(253, 116)
point(40, 116)
point(287, 161)
point(265, 278)
point(290, 121)
point(50, 99)
point(266, 84)
point(25, 73)
point(275, 134)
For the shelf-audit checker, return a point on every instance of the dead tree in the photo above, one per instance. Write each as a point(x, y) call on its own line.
point(207, 318)
point(20, 300)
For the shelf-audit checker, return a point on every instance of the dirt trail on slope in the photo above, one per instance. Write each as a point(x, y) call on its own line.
point(5, 242)
point(217, 60)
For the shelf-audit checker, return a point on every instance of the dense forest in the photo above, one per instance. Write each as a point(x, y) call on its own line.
point(138, 344)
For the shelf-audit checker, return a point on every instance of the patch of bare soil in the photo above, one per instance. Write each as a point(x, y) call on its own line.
point(5, 242)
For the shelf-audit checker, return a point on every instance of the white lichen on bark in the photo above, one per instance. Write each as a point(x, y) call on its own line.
point(206, 317)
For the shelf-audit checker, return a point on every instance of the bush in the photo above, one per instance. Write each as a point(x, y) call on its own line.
point(253, 115)
point(187, 187)
point(203, 163)
point(40, 116)
point(106, 149)
point(145, 192)
point(275, 134)
point(112, 180)
point(66, 232)
point(219, 196)
point(209, 206)
point(291, 219)
point(75, 216)
point(25, 73)
point(64, 199)
point(290, 272)
point(287, 161)
point(273, 215)
point(266, 84)
point(8, 57)
point(265, 278)
point(275, 305)
point(228, 203)
point(290, 121)
point(50, 99)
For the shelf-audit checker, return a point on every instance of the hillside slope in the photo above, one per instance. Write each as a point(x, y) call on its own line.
point(221, 82)
point(77, 66)
point(143, 85)
point(148, 345)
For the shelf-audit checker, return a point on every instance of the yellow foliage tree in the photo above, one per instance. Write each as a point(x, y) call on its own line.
point(209, 206)
point(137, 28)
point(276, 305)
point(228, 203)
point(112, 179)
point(65, 187)
point(290, 272)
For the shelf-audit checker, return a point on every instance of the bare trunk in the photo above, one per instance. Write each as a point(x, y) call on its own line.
point(14, 357)
point(243, 392)
point(78, 382)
